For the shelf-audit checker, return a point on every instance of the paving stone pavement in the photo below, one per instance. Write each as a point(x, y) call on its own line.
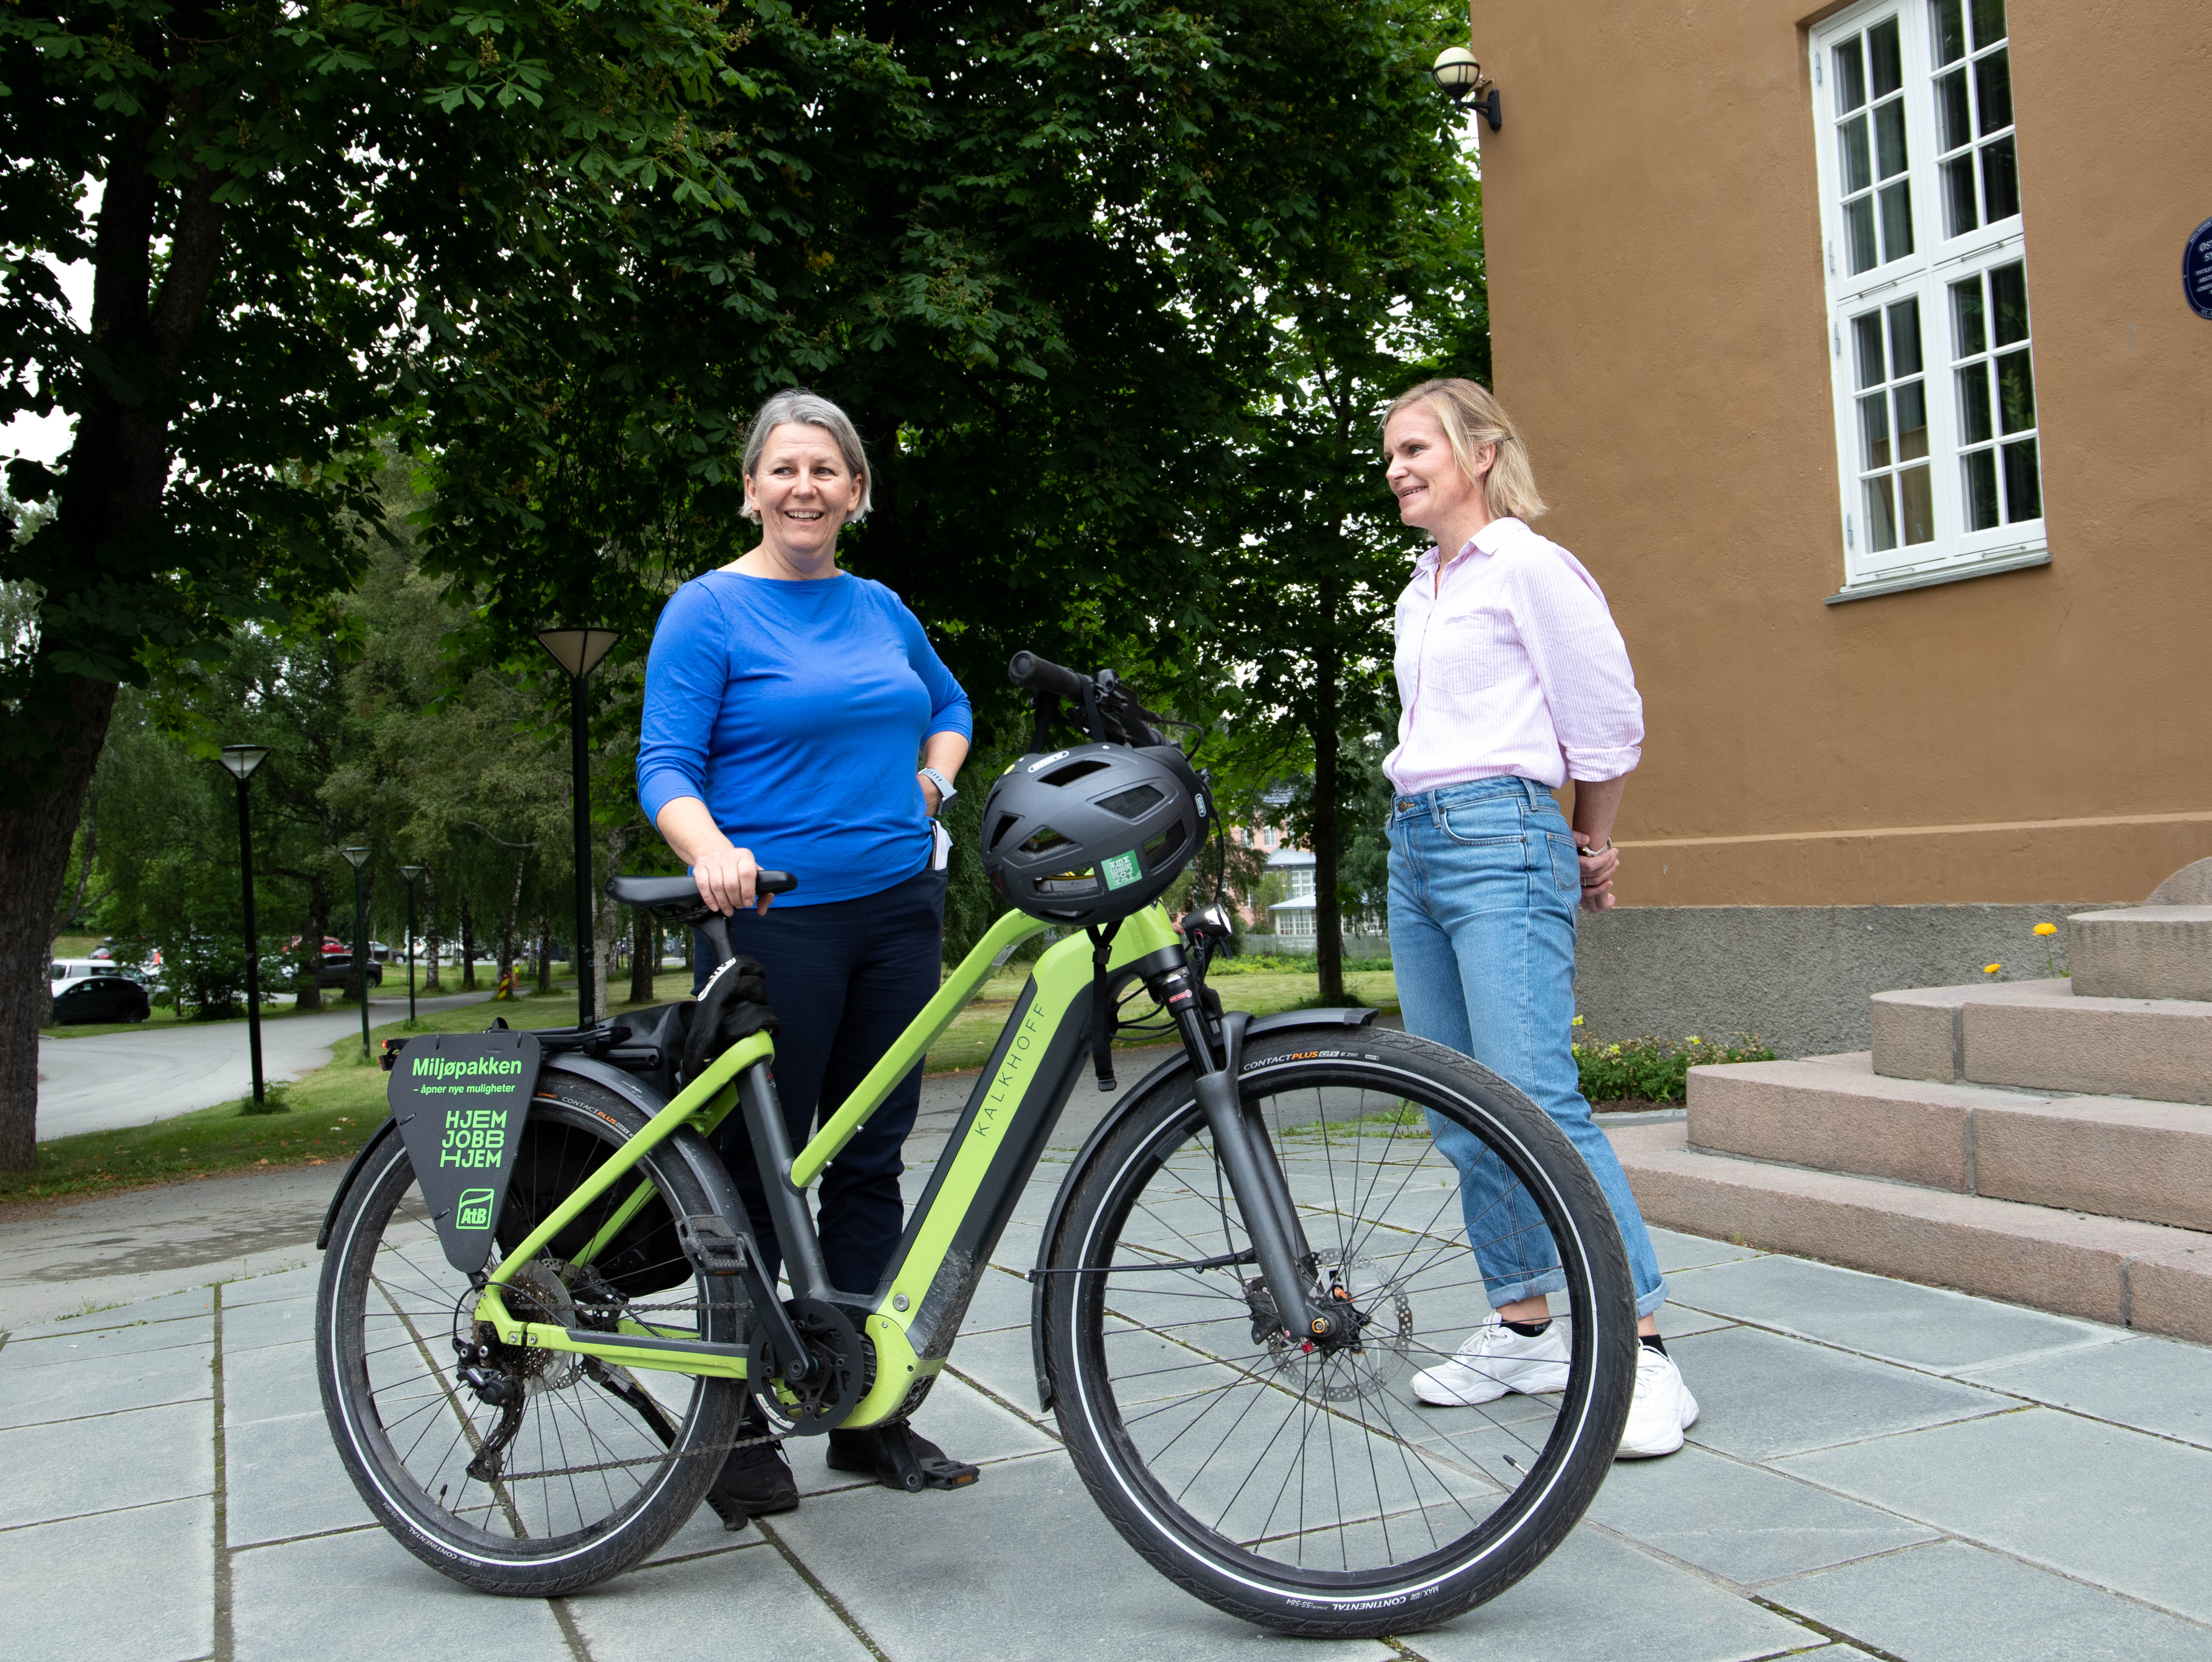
point(1882, 1470)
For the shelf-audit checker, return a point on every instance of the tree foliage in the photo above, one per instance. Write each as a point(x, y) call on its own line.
point(1112, 289)
point(290, 200)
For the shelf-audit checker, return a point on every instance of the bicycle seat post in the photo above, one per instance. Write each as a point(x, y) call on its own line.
point(716, 929)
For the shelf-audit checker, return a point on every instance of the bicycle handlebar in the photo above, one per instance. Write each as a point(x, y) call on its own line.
point(1028, 670)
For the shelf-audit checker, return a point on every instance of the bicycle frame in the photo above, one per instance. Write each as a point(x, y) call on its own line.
point(912, 1316)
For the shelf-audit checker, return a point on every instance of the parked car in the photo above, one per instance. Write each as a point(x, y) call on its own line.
point(104, 954)
point(109, 997)
point(337, 970)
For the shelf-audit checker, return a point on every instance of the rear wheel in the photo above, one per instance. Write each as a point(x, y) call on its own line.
point(541, 1472)
point(1306, 1489)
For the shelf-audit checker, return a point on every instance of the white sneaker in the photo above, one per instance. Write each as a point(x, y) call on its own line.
point(1495, 1360)
point(1662, 1410)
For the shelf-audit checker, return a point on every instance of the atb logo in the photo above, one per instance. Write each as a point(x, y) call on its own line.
point(473, 1211)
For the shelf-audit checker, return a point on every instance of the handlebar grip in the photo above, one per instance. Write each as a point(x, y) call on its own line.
point(1028, 670)
point(774, 883)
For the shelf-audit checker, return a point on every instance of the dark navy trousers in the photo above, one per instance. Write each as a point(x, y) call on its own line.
point(844, 979)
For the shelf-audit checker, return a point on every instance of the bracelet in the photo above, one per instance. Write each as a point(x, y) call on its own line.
point(1588, 853)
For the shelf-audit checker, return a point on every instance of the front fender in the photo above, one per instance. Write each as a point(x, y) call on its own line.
point(1283, 1022)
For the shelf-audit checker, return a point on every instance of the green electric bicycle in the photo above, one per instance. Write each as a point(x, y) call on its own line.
point(542, 1312)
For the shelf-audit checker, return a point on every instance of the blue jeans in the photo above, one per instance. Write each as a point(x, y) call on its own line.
point(1484, 882)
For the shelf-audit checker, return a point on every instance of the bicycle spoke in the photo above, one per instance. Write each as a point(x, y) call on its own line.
point(1307, 1457)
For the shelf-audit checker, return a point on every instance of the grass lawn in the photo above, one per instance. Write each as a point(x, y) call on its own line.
point(329, 1113)
point(164, 1015)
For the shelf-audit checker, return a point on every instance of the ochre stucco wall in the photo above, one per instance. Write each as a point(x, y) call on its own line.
point(1659, 329)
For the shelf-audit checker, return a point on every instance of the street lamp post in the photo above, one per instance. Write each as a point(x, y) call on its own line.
point(410, 873)
point(241, 760)
point(578, 651)
point(357, 858)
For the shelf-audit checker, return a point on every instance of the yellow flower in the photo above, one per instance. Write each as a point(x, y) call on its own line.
point(1578, 1021)
point(2046, 929)
point(1695, 1039)
point(1991, 969)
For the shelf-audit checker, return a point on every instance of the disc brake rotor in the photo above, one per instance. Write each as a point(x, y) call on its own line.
point(538, 1293)
point(1369, 1360)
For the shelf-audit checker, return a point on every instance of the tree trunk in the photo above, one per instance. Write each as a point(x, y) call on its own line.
point(644, 956)
point(608, 927)
point(506, 924)
point(468, 946)
point(544, 952)
point(1327, 829)
point(34, 851)
point(118, 466)
point(307, 969)
point(430, 935)
point(91, 821)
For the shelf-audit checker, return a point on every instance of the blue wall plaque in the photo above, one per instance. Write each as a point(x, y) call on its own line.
point(2197, 270)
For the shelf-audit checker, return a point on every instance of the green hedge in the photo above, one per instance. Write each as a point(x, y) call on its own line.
point(1654, 1070)
point(1286, 964)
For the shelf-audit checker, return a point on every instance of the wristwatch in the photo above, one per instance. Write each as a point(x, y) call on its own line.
point(945, 791)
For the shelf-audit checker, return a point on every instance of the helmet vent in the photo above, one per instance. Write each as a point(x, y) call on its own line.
point(1075, 771)
point(1006, 823)
point(1045, 839)
point(1163, 846)
point(1131, 804)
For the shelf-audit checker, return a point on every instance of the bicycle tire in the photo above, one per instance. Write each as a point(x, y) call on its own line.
point(389, 1313)
point(1151, 1194)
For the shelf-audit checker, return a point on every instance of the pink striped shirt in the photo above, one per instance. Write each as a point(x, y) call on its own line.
point(1516, 667)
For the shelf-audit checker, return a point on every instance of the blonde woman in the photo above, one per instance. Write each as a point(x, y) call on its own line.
point(1512, 679)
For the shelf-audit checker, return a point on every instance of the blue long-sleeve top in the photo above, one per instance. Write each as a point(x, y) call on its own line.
point(796, 712)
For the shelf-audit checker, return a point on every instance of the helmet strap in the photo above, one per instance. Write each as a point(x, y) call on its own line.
point(1101, 1003)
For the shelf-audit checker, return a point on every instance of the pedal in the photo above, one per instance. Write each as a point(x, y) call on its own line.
point(713, 1247)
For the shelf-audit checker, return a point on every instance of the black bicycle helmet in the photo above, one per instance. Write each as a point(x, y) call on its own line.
point(1092, 834)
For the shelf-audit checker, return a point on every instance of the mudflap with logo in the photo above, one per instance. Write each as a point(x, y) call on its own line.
point(458, 1100)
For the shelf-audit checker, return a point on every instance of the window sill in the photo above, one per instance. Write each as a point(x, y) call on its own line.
point(2012, 560)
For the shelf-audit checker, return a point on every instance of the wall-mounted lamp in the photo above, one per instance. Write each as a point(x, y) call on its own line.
point(1462, 79)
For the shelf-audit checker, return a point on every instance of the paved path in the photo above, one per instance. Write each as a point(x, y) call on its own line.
point(1881, 1470)
point(116, 1080)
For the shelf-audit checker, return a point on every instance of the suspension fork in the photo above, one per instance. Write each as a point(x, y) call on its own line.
point(1255, 1176)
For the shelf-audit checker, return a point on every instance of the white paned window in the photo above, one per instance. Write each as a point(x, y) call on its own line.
point(1937, 444)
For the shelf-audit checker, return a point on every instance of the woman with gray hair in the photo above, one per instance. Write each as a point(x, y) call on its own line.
point(796, 718)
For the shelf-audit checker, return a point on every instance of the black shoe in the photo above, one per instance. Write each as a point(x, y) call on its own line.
point(755, 1481)
point(897, 1457)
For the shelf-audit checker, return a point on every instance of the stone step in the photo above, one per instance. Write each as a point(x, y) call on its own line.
point(2141, 951)
point(2144, 1275)
point(2119, 1157)
point(2042, 1036)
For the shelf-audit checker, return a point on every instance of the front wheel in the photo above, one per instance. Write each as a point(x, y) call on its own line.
point(1306, 1489)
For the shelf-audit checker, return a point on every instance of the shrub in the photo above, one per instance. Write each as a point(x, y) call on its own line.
point(1287, 964)
point(1654, 1070)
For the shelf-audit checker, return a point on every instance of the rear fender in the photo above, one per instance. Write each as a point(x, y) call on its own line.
point(1161, 1076)
point(634, 1091)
